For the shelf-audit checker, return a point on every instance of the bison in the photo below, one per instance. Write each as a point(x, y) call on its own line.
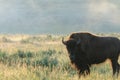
point(86, 49)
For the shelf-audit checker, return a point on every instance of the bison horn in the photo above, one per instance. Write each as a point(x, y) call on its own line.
point(64, 42)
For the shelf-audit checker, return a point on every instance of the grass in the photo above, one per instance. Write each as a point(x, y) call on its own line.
point(42, 57)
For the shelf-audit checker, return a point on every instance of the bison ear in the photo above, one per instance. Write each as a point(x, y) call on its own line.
point(78, 41)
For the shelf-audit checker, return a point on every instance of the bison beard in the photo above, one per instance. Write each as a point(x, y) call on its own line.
point(86, 49)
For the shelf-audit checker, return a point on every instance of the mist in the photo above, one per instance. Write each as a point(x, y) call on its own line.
point(59, 17)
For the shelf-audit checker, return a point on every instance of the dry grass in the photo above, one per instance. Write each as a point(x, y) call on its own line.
point(42, 57)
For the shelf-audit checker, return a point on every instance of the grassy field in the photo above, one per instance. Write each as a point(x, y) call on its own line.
point(43, 57)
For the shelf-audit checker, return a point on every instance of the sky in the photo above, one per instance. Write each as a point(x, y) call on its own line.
point(59, 16)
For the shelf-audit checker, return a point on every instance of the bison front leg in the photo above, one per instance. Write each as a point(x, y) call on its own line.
point(80, 72)
point(88, 70)
point(84, 70)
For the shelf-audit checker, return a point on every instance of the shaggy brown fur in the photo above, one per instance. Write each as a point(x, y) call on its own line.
point(86, 49)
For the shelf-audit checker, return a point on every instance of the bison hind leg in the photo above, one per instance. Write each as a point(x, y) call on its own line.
point(118, 68)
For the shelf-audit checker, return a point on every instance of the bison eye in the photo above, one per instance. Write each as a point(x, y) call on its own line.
point(72, 44)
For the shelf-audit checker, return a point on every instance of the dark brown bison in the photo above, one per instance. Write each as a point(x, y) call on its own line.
point(86, 49)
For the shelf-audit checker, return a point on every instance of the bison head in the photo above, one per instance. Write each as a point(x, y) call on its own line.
point(77, 46)
point(71, 46)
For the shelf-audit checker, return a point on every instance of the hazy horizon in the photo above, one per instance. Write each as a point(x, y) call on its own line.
point(59, 17)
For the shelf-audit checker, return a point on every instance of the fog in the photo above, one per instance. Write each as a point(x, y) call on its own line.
point(59, 16)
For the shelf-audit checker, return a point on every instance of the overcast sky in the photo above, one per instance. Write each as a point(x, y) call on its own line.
point(59, 16)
